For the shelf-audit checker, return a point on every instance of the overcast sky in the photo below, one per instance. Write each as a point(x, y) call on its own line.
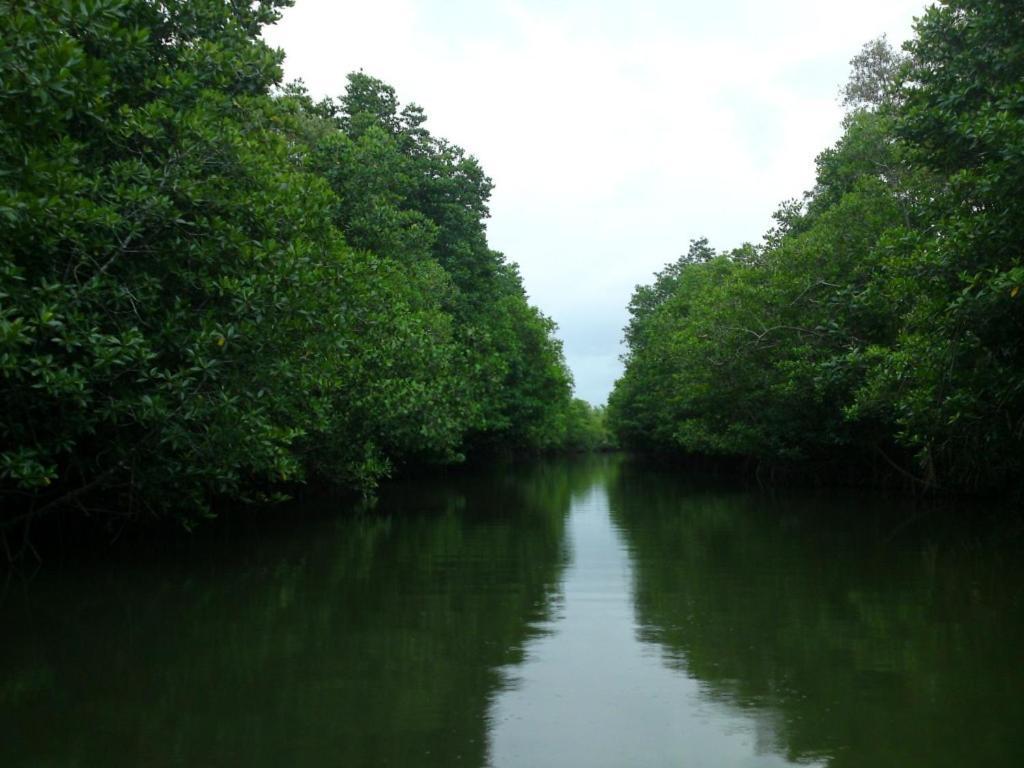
point(615, 132)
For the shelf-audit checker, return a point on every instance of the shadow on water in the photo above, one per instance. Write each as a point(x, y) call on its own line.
point(855, 646)
point(374, 639)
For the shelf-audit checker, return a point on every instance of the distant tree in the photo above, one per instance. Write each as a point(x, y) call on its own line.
point(875, 76)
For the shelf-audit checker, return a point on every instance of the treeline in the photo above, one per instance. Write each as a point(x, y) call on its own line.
point(586, 428)
point(212, 286)
point(879, 327)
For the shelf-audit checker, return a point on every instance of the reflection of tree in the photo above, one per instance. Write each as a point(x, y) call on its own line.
point(368, 640)
point(868, 653)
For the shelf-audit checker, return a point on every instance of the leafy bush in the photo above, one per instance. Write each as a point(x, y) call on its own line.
point(210, 286)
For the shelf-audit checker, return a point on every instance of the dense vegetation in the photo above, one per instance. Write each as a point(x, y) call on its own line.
point(585, 428)
point(214, 286)
point(880, 324)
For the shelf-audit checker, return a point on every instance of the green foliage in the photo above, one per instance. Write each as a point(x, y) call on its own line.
point(583, 428)
point(209, 287)
point(880, 319)
point(955, 380)
point(422, 201)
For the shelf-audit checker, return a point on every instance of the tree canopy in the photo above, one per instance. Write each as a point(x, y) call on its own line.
point(879, 324)
point(215, 286)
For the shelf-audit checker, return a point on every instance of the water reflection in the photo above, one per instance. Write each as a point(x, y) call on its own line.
point(373, 640)
point(593, 692)
point(853, 645)
point(585, 613)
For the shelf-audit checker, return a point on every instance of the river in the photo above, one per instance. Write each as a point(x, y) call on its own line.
point(589, 613)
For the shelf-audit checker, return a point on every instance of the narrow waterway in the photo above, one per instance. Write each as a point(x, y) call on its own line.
point(572, 613)
point(592, 692)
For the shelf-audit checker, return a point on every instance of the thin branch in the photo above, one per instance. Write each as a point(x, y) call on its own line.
point(913, 478)
point(61, 500)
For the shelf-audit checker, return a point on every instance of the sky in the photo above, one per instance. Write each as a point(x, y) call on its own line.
point(614, 132)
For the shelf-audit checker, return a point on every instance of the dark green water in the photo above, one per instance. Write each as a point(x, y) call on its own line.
point(587, 613)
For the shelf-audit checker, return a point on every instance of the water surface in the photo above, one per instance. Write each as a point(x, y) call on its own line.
point(583, 613)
